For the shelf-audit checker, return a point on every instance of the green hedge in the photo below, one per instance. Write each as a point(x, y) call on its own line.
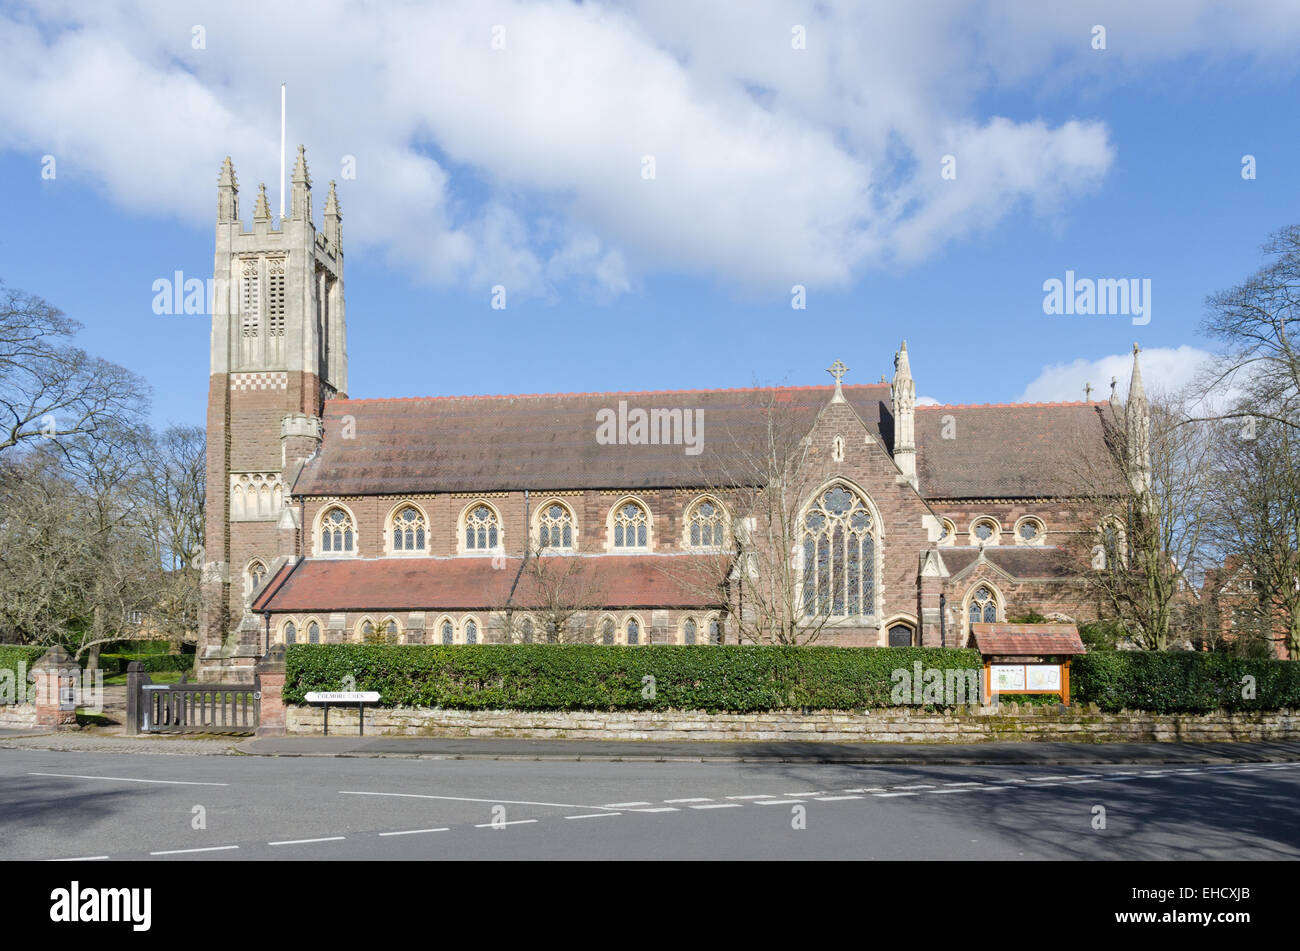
point(11, 655)
point(599, 677)
point(153, 663)
point(1182, 682)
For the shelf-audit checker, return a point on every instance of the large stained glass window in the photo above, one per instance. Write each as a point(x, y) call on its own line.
point(555, 527)
point(839, 556)
point(408, 530)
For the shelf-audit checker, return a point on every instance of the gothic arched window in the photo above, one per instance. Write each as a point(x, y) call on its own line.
point(313, 633)
point(555, 527)
point(526, 630)
point(715, 631)
point(839, 556)
point(706, 524)
point(607, 631)
point(256, 574)
point(448, 633)
point(471, 631)
point(290, 632)
point(480, 528)
point(408, 529)
point(983, 606)
point(633, 630)
point(688, 631)
point(337, 531)
point(631, 526)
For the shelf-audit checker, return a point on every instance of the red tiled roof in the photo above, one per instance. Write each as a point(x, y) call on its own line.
point(472, 583)
point(548, 442)
point(1026, 640)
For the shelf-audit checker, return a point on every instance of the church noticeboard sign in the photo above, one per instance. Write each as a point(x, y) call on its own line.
point(1027, 678)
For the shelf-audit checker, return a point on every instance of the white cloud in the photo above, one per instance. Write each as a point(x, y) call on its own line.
point(523, 166)
point(1164, 370)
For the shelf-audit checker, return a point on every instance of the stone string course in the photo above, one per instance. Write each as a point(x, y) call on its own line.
point(876, 726)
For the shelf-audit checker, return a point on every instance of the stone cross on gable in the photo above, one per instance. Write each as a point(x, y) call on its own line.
point(837, 370)
point(1087, 392)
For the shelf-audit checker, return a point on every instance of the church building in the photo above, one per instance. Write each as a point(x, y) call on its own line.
point(842, 514)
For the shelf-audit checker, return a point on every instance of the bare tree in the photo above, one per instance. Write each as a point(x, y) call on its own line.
point(764, 474)
point(1255, 499)
point(174, 480)
point(1258, 322)
point(553, 597)
point(1144, 556)
point(48, 387)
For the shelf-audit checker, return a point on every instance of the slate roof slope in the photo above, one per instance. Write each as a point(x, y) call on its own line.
point(446, 584)
point(548, 441)
point(1013, 450)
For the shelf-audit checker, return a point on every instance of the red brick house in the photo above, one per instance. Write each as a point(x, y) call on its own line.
point(422, 520)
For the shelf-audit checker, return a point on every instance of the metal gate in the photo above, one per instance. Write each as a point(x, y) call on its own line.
point(191, 708)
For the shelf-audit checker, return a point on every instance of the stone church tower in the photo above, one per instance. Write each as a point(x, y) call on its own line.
point(279, 350)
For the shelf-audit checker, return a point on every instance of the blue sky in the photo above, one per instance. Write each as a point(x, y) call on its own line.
point(668, 292)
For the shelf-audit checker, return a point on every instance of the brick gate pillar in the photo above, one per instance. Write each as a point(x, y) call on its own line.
point(55, 676)
point(270, 684)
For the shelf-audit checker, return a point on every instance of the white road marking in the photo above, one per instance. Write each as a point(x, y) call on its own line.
point(623, 805)
point(1046, 779)
point(867, 789)
point(505, 802)
point(818, 793)
point(128, 779)
point(891, 795)
point(696, 799)
point(917, 786)
point(443, 829)
point(657, 809)
point(82, 858)
point(595, 815)
point(329, 838)
point(835, 798)
point(963, 784)
point(722, 805)
point(779, 802)
point(501, 825)
point(211, 848)
point(764, 796)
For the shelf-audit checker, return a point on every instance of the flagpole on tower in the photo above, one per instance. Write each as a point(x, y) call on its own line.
point(282, 151)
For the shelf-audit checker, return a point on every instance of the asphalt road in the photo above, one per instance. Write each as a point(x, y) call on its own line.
point(61, 805)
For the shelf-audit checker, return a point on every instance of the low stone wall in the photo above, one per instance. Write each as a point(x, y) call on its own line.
point(897, 725)
point(17, 716)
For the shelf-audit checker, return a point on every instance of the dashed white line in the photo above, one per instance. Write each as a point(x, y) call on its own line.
point(328, 838)
point(891, 795)
point(443, 829)
point(502, 825)
point(763, 796)
point(696, 799)
point(656, 809)
point(917, 786)
point(624, 805)
point(128, 779)
point(818, 793)
point(865, 789)
point(835, 798)
point(505, 802)
point(721, 805)
point(963, 784)
point(211, 848)
point(779, 802)
point(595, 815)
